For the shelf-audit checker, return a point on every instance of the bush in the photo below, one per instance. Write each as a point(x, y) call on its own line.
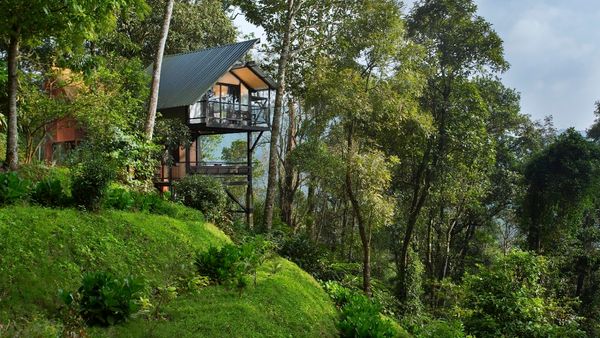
point(231, 262)
point(104, 299)
point(339, 294)
point(303, 251)
point(119, 198)
point(50, 193)
point(203, 193)
point(220, 265)
point(360, 316)
point(91, 180)
point(440, 328)
point(13, 188)
point(508, 299)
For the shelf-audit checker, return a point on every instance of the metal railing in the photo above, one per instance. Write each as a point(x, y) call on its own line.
point(231, 114)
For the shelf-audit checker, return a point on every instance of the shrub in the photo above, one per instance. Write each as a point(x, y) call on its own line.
point(303, 251)
point(230, 262)
point(220, 265)
point(119, 198)
point(254, 252)
point(149, 202)
point(203, 193)
point(508, 299)
point(360, 316)
point(339, 294)
point(51, 193)
point(13, 188)
point(91, 180)
point(440, 328)
point(104, 299)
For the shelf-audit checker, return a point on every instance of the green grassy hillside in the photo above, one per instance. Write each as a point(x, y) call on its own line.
point(44, 250)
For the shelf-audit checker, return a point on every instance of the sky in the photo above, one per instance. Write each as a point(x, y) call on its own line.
point(553, 47)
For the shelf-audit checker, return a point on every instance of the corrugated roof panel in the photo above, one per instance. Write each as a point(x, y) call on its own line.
point(185, 77)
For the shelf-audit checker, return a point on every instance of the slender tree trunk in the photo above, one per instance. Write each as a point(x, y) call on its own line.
point(289, 170)
point(153, 103)
point(365, 234)
point(12, 141)
point(447, 251)
point(421, 181)
point(344, 235)
point(276, 125)
point(310, 200)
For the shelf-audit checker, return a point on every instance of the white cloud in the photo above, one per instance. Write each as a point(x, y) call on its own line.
point(555, 55)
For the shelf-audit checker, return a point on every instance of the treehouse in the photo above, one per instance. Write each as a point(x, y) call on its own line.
point(215, 91)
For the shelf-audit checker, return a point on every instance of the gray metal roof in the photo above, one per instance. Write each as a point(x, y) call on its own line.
point(186, 77)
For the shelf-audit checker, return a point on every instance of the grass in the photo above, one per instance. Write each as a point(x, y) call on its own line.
point(43, 250)
point(288, 303)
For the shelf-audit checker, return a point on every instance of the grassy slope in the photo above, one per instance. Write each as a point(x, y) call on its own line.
point(286, 304)
point(44, 250)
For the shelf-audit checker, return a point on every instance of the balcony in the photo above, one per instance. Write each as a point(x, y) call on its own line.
point(227, 109)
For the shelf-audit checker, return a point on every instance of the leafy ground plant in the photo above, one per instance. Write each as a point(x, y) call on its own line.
point(13, 188)
point(104, 299)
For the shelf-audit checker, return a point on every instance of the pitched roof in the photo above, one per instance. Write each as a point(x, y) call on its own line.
point(185, 77)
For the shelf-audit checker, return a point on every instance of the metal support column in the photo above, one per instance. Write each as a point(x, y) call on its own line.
point(249, 192)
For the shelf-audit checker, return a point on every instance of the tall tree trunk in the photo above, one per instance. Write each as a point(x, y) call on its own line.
point(421, 182)
point(365, 234)
point(12, 142)
point(288, 188)
point(447, 248)
point(153, 103)
point(276, 125)
point(310, 200)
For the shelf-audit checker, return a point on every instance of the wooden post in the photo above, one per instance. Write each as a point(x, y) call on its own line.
point(249, 192)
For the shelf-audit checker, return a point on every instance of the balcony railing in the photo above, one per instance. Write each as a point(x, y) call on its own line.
point(230, 114)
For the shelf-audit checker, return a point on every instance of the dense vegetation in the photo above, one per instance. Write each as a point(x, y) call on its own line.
point(401, 173)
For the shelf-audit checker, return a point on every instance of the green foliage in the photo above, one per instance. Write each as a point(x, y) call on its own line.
point(303, 251)
point(194, 25)
point(203, 193)
point(231, 262)
point(289, 303)
point(219, 264)
point(105, 299)
point(561, 183)
point(412, 305)
point(118, 198)
point(360, 316)
point(440, 328)
point(509, 299)
point(340, 294)
point(37, 172)
point(122, 198)
point(172, 134)
point(51, 193)
point(43, 249)
point(13, 188)
point(91, 179)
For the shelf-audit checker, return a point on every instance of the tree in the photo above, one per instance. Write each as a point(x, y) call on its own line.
point(357, 93)
point(459, 45)
point(160, 49)
point(594, 131)
point(277, 18)
point(508, 299)
point(30, 22)
point(194, 25)
point(561, 183)
point(292, 28)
